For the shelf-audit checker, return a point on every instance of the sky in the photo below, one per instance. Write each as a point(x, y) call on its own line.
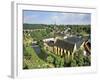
point(46, 17)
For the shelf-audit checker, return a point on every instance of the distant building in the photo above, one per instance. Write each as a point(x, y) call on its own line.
point(67, 36)
point(87, 46)
point(49, 39)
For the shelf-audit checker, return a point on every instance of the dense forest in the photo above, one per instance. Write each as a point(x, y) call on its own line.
point(46, 31)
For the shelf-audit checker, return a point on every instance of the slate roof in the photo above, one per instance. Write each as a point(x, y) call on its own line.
point(65, 45)
point(68, 43)
point(50, 43)
point(75, 40)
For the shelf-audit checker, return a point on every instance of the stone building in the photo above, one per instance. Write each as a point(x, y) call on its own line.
point(61, 47)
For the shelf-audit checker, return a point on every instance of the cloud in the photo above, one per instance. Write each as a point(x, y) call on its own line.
point(41, 17)
point(29, 18)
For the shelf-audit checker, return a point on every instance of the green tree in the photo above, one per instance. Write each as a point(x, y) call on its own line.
point(59, 62)
point(27, 51)
point(62, 62)
point(87, 60)
point(79, 58)
point(25, 66)
point(50, 59)
point(73, 63)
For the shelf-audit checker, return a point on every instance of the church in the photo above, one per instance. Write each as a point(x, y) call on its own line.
point(66, 46)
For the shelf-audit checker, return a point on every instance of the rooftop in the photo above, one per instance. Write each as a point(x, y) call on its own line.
point(68, 43)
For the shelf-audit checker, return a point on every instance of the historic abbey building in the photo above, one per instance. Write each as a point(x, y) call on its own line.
point(67, 46)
